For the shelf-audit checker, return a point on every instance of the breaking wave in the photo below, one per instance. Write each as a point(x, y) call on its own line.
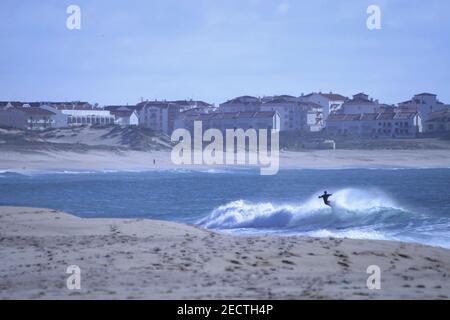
point(351, 207)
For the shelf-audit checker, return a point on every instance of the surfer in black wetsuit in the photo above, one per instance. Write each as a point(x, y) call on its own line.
point(325, 197)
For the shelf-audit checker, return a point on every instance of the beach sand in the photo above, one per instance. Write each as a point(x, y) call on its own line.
point(96, 160)
point(147, 259)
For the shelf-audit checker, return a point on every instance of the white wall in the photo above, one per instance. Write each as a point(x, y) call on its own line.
point(134, 119)
point(60, 119)
point(13, 119)
point(424, 105)
point(88, 117)
point(359, 108)
point(289, 112)
point(328, 106)
point(391, 128)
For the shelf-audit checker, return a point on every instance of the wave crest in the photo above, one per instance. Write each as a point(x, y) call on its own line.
point(351, 208)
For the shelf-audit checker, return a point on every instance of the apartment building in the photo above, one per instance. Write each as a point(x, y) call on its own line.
point(231, 120)
point(375, 125)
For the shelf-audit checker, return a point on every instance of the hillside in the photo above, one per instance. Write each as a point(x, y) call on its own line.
point(114, 138)
point(84, 138)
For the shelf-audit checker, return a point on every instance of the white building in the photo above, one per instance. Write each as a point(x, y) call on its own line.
point(375, 125)
point(93, 116)
point(75, 113)
point(330, 102)
point(424, 104)
point(161, 115)
point(284, 97)
point(199, 106)
point(125, 117)
point(60, 119)
point(361, 103)
point(10, 104)
point(241, 104)
point(231, 120)
point(158, 115)
point(438, 122)
point(295, 115)
point(27, 118)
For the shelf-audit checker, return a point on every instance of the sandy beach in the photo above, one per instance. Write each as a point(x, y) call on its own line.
point(97, 149)
point(139, 160)
point(147, 259)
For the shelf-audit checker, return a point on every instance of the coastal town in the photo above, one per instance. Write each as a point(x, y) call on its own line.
point(330, 113)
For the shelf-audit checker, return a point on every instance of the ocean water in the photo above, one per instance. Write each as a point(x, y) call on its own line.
point(411, 205)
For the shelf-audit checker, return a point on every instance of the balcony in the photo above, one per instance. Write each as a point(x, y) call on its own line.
point(40, 121)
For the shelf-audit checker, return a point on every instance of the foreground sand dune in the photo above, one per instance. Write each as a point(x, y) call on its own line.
point(147, 259)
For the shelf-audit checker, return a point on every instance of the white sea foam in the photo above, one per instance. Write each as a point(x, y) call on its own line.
point(356, 214)
point(351, 234)
point(350, 207)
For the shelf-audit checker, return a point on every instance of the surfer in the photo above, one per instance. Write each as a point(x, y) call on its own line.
point(325, 197)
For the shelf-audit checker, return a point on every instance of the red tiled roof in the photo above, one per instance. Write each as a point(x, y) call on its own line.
point(330, 96)
point(426, 94)
point(442, 114)
point(239, 100)
point(36, 111)
point(369, 116)
point(372, 116)
point(334, 96)
point(344, 117)
point(386, 116)
point(405, 115)
point(122, 113)
point(231, 115)
point(278, 100)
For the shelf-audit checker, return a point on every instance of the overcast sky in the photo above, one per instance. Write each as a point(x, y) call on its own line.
point(218, 49)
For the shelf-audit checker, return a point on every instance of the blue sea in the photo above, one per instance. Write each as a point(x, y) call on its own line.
point(411, 205)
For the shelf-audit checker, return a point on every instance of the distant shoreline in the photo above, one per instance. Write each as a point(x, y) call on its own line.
point(150, 259)
point(134, 148)
point(100, 160)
